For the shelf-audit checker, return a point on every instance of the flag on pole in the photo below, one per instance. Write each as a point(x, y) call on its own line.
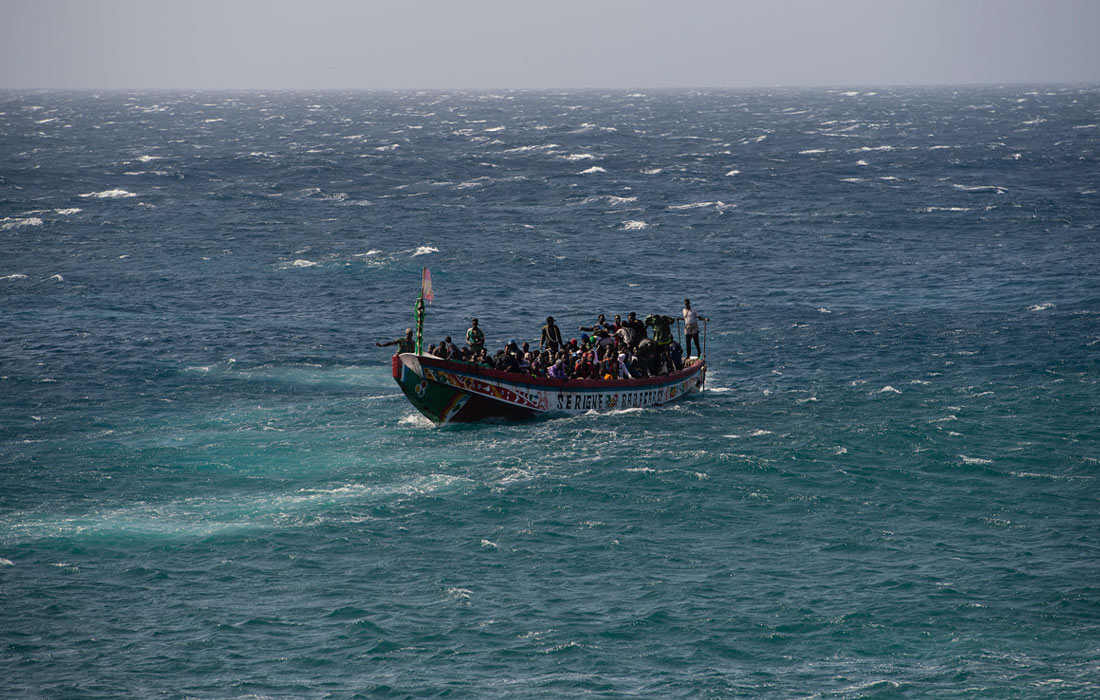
point(426, 286)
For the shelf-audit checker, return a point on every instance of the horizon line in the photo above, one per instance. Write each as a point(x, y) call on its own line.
point(778, 86)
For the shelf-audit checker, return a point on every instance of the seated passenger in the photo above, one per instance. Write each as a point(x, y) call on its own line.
point(677, 354)
point(442, 351)
point(609, 367)
point(557, 371)
point(648, 356)
point(624, 371)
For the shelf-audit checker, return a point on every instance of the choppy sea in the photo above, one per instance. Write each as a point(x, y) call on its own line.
point(211, 487)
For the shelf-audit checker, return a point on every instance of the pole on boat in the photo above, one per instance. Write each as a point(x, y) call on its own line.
point(704, 340)
point(678, 338)
point(419, 323)
point(426, 292)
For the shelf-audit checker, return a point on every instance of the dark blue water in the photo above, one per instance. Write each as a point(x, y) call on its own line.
point(210, 486)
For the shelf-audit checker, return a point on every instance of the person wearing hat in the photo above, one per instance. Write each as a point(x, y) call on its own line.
point(475, 338)
point(406, 344)
point(551, 336)
point(691, 328)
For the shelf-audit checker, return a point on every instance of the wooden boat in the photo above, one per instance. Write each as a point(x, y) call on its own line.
point(449, 391)
point(458, 392)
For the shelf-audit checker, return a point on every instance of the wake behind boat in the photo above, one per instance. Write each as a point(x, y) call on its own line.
point(616, 368)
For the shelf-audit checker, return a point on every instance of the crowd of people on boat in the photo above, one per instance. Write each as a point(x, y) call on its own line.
point(622, 349)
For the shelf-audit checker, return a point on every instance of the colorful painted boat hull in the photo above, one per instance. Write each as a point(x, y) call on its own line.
point(456, 392)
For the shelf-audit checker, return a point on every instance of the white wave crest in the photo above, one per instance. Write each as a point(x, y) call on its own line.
point(532, 148)
point(1041, 307)
point(652, 171)
point(974, 460)
point(573, 157)
point(16, 276)
point(12, 224)
point(609, 198)
point(889, 390)
point(613, 200)
point(592, 171)
point(813, 151)
point(634, 225)
point(731, 173)
point(693, 205)
point(116, 193)
point(68, 212)
point(54, 278)
point(425, 250)
point(980, 188)
point(303, 263)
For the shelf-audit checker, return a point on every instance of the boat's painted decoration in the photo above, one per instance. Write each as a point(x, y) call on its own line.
point(447, 391)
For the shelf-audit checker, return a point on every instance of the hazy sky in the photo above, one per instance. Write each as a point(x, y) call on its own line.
point(546, 44)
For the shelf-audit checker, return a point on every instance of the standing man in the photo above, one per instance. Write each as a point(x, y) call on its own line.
point(691, 328)
point(637, 326)
point(475, 338)
point(406, 344)
point(662, 335)
point(551, 336)
point(601, 324)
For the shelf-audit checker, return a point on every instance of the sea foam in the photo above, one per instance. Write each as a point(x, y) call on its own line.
point(12, 224)
point(116, 193)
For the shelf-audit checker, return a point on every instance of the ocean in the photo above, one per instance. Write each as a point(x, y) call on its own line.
point(211, 486)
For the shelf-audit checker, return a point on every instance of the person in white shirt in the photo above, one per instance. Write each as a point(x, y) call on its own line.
point(691, 328)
